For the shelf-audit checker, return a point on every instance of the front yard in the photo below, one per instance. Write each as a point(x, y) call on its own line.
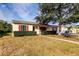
point(73, 38)
point(36, 46)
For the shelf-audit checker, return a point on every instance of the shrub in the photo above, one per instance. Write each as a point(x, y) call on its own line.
point(24, 33)
point(1, 33)
point(49, 32)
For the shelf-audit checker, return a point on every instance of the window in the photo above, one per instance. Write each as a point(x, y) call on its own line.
point(22, 27)
point(27, 28)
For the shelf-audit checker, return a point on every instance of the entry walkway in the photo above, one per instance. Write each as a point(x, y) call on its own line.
point(60, 39)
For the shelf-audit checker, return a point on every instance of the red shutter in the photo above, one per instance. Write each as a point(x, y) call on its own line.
point(27, 28)
point(20, 27)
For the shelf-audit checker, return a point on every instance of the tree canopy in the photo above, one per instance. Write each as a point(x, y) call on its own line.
point(58, 12)
point(4, 26)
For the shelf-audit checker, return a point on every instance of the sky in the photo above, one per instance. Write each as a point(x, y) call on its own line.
point(19, 11)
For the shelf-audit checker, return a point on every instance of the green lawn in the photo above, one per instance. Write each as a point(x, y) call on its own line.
point(36, 46)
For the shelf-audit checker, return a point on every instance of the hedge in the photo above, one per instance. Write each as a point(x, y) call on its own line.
point(24, 33)
point(48, 32)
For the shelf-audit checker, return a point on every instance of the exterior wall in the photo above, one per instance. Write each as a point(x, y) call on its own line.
point(78, 30)
point(74, 30)
point(15, 27)
point(49, 29)
point(30, 27)
point(37, 30)
point(57, 29)
point(63, 29)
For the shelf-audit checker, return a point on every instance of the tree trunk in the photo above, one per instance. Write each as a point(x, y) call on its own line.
point(59, 30)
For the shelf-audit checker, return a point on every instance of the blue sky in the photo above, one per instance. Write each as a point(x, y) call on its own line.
point(18, 11)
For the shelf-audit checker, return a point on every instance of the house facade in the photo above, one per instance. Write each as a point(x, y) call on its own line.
point(73, 29)
point(25, 26)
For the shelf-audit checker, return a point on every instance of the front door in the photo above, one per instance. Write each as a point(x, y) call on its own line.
point(42, 29)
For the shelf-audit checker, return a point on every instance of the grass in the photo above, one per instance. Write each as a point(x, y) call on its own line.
point(36, 46)
point(73, 38)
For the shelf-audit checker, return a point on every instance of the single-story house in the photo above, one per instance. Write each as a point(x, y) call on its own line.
point(27, 26)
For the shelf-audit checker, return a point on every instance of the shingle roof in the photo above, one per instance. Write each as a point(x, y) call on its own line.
point(32, 23)
point(23, 22)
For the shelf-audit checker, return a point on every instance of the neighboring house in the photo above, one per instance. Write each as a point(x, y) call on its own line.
point(74, 29)
point(26, 26)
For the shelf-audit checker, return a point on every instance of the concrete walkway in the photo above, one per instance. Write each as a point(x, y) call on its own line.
point(60, 39)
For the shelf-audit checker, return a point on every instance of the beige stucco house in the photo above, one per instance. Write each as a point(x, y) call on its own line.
point(27, 26)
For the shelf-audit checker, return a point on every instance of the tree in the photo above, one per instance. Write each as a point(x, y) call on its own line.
point(58, 12)
point(75, 17)
point(5, 27)
point(1, 25)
